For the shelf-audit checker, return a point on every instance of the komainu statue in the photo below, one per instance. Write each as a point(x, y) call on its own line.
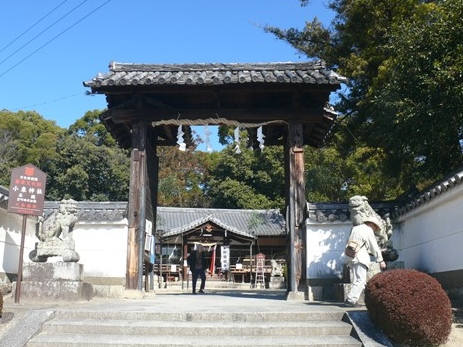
point(277, 269)
point(359, 209)
point(55, 234)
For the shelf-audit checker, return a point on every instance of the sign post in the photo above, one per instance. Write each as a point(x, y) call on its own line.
point(26, 197)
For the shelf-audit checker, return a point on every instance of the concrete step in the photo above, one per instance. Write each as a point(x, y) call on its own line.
point(98, 340)
point(92, 326)
point(132, 328)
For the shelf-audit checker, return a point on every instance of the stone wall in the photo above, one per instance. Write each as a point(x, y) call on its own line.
point(430, 232)
point(427, 232)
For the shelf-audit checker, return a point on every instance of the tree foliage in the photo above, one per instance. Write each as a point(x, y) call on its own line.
point(82, 163)
point(85, 171)
point(26, 138)
point(400, 123)
point(419, 90)
point(402, 101)
point(182, 178)
point(89, 165)
point(252, 179)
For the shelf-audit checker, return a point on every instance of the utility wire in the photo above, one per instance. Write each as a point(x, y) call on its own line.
point(43, 31)
point(44, 103)
point(31, 27)
point(54, 38)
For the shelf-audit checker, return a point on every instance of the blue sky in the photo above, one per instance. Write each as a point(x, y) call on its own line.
point(48, 48)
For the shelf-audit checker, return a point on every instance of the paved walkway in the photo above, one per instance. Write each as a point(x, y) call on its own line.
point(163, 301)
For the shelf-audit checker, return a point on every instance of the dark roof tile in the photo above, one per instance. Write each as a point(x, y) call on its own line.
point(122, 74)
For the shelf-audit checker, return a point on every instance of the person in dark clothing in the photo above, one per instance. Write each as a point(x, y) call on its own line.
point(198, 266)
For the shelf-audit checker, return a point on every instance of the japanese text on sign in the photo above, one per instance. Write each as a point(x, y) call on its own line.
point(27, 190)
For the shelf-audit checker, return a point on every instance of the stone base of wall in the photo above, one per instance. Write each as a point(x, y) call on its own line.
point(108, 291)
point(321, 289)
point(315, 293)
point(341, 290)
point(449, 280)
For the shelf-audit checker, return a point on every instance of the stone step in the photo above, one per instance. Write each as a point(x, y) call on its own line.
point(137, 328)
point(99, 340)
point(176, 317)
point(145, 327)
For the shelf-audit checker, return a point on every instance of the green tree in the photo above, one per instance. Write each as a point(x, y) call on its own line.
point(26, 138)
point(400, 109)
point(252, 179)
point(8, 148)
point(85, 171)
point(418, 94)
point(182, 177)
point(90, 126)
point(88, 165)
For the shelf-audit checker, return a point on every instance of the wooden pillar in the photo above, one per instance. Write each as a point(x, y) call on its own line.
point(296, 211)
point(152, 164)
point(137, 208)
point(185, 269)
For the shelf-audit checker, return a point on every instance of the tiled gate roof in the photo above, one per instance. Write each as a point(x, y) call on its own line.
point(123, 74)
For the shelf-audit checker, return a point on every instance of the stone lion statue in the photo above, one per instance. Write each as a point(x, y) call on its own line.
point(58, 224)
point(277, 269)
point(360, 209)
point(55, 234)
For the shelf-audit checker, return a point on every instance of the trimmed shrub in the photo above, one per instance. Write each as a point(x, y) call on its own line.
point(410, 307)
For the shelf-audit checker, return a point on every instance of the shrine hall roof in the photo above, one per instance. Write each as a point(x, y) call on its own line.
point(175, 220)
point(125, 74)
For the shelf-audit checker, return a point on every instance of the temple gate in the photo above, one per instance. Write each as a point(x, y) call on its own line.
point(149, 103)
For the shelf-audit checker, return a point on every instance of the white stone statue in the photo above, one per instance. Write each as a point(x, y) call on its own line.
point(55, 234)
point(277, 269)
point(359, 209)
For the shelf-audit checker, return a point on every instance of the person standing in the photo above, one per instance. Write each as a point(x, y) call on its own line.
point(198, 266)
point(364, 234)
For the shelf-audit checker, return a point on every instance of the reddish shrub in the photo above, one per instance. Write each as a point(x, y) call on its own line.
point(410, 307)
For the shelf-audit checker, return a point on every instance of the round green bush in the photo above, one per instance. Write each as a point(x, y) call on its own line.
point(410, 307)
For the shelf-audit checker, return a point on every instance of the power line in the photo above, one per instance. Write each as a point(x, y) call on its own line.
point(54, 38)
point(44, 103)
point(43, 31)
point(31, 27)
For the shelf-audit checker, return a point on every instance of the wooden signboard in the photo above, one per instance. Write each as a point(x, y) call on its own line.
point(27, 190)
point(26, 197)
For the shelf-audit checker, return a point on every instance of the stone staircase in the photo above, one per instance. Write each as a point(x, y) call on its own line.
point(115, 328)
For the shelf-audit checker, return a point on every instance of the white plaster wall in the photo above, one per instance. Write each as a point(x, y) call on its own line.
point(10, 240)
point(102, 247)
point(325, 248)
point(431, 236)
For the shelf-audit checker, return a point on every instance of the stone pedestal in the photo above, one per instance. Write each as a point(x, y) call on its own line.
point(295, 296)
point(55, 281)
point(277, 282)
